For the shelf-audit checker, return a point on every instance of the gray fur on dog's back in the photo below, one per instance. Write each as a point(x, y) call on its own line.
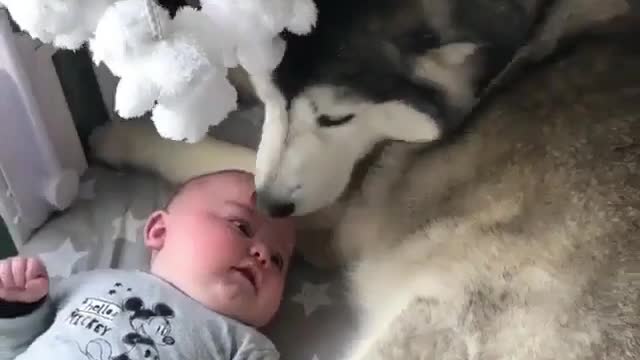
point(519, 240)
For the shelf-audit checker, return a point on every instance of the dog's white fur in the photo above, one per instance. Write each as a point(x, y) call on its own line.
point(274, 128)
point(313, 152)
point(518, 241)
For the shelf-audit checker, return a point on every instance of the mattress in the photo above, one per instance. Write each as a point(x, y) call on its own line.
point(103, 229)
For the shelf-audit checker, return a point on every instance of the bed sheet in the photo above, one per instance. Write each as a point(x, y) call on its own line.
point(103, 229)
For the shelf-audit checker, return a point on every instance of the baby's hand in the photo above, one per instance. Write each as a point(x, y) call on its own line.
point(23, 280)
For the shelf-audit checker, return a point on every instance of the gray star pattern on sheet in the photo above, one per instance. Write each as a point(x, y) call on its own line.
point(61, 261)
point(312, 296)
point(132, 228)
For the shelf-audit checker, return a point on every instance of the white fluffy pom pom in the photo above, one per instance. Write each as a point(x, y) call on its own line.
point(66, 24)
point(262, 57)
point(304, 17)
point(189, 118)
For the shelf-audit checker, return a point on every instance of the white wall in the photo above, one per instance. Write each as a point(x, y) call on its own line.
point(40, 153)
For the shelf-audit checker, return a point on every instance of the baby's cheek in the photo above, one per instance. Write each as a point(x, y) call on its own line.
point(223, 243)
point(203, 231)
point(276, 287)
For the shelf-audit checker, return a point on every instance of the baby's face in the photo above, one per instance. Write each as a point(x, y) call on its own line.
point(212, 244)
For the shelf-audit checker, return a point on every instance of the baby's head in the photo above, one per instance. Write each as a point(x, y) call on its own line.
point(212, 244)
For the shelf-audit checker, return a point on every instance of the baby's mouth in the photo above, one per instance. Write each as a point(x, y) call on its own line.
point(249, 275)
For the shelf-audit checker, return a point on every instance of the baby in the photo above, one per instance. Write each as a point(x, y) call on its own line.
point(217, 274)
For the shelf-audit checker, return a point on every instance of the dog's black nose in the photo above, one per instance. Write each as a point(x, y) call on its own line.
point(274, 208)
point(281, 210)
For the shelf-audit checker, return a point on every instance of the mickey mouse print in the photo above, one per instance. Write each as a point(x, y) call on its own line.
point(149, 327)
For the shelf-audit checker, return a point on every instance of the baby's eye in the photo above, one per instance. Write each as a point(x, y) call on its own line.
point(278, 261)
point(243, 226)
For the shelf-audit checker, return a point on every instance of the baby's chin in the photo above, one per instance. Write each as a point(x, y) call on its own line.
point(226, 295)
point(231, 299)
point(233, 292)
point(234, 301)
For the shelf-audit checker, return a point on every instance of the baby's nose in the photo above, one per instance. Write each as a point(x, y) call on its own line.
point(262, 254)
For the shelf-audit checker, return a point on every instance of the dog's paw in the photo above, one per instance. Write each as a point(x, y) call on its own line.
point(109, 143)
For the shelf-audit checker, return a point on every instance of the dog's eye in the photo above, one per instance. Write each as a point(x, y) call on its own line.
point(243, 226)
point(328, 121)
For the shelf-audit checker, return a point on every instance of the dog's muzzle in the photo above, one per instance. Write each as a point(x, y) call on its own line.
point(274, 207)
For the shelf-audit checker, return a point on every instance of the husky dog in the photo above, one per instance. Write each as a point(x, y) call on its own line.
point(369, 64)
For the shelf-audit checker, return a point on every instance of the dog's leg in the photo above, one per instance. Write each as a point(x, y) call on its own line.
point(137, 144)
point(417, 333)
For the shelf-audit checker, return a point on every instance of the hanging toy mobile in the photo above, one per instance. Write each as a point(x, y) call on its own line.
point(175, 68)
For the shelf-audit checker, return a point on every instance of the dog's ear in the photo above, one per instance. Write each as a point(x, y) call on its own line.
point(453, 68)
point(440, 92)
point(397, 120)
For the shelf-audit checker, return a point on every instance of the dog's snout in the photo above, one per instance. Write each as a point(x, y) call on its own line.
point(274, 207)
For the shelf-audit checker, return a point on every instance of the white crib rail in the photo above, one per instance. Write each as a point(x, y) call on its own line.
point(41, 157)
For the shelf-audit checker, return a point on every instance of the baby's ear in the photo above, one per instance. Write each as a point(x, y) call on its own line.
point(155, 230)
